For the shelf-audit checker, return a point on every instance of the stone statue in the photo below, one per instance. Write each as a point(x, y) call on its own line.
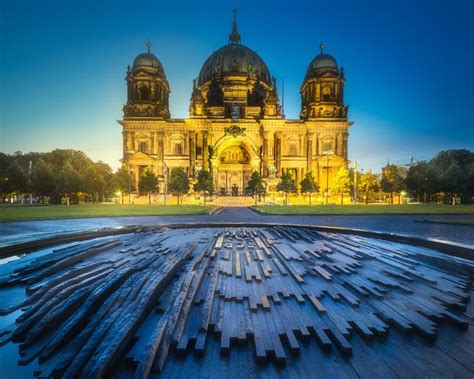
point(271, 171)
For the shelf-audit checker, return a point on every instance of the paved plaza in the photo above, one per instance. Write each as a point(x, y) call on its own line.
point(16, 232)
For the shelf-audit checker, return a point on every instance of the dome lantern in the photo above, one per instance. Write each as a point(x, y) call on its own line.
point(234, 36)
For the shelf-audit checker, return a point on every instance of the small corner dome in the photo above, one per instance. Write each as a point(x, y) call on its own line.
point(147, 60)
point(323, 61)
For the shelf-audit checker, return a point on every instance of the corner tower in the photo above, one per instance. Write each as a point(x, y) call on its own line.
point(322, 92)
point(148, 89)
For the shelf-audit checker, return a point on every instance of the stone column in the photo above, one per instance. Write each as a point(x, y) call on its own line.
point(277, 151)
point(125, 145)
point(192, 152)
point(205, 151)
point(309, 151)
point(132, 138)
point(155, 138)
point(345, 138)
point(265, 154)
point(317, 144)
point(161, 152)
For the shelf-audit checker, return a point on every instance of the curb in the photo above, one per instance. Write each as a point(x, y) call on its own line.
point(453, 248)
point(214, 211)
point(29, 246)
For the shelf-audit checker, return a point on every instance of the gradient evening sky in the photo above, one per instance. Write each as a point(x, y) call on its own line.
point(409, 67)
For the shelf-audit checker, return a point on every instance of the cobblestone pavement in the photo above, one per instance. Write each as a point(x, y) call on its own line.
point(15, 232)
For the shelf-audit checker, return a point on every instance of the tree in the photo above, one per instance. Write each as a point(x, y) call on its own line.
point(309, 185)
point(42, 179)
point(70, 182)
point(179, 182)
point(105, 174)
point(255, 185)
point(450, 172)
point(148, 182)
point(204, 183)
point(287, 184)
point(368, 182)
point(121, 180)
point(16, 179)
point(392, 180)
point(93, 182)
point(342, 183)
point(420, 181)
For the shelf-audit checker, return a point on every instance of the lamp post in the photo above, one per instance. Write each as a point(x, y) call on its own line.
point(327, 153)
point(129, 153)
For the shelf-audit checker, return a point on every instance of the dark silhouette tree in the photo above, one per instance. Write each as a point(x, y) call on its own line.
point(287, 185)
point(255, 186)
point(121, 180)
point(179, 183)
point(43, 182)
point(204, 184)
point(148, 183)
point(309, 185)
point(16, 179)
point(392, 180)
point(70, 183)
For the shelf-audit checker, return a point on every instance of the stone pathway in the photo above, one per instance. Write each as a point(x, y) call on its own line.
point(16, 232)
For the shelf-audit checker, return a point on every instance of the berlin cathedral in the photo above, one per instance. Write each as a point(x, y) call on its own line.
point(236, 125)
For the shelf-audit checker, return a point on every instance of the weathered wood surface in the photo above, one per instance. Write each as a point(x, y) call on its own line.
point(241, 302)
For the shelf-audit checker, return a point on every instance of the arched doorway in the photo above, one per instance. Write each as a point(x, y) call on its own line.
point(233, 164)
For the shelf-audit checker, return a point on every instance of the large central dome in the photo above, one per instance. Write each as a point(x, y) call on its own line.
point(234, 59)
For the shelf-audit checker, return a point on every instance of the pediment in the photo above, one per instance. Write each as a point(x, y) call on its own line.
point(142, 156)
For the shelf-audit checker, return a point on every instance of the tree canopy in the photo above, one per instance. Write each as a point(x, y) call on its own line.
point(368, 182)
point(255, 185)
point(392, 180)
point(309, 185)
point(342, 182)
point(204, 183)
point(179, 182)
point(287, 185)
point(148, 183)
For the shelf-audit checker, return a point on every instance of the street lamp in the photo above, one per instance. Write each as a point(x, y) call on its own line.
point(327, 153)
point(129, 153)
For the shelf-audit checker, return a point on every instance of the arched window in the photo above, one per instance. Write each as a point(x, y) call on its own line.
point(326, 93)
point(327, 145)
point(292, 149)
point(178, 149)
point(215, 96)
point(144, 92)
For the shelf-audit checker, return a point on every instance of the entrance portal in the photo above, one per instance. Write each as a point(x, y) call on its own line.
point(235, 190)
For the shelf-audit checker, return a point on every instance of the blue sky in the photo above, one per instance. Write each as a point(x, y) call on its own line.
point(409, 67)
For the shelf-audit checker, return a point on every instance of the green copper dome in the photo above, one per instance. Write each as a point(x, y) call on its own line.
point(234, 60)
point(147, 60)
point(323, 61)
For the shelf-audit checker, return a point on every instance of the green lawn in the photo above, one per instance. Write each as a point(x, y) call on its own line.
point(44, 212)
point(364, 209)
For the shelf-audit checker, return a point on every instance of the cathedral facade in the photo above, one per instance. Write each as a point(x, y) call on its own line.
point(235, 125)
